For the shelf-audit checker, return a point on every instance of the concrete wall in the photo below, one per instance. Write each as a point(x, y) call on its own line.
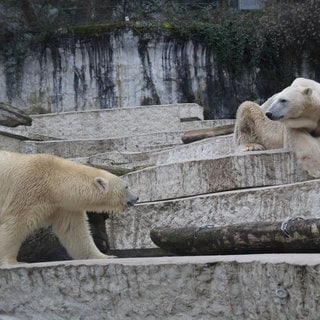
point(260, 287)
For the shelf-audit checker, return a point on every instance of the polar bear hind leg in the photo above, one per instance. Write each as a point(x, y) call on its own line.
point(73, 231)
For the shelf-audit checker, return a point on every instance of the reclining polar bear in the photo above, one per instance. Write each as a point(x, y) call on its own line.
point(296, 108)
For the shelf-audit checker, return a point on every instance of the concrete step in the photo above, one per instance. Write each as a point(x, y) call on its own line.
point(131, 144)
point(196, 177)
point(204, 149)
point(89, 147)
point(205, 124)
point(112, 123)
point(129, 230)
point(243, 287)
point(11, 140)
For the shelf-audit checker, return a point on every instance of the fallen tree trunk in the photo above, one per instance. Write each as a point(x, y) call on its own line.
point(291, 236)
point(199, 134)
point(13, 117)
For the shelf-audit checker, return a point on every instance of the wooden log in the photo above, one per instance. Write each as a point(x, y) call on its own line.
point(199, 134)
point(295, 235)
point(13, 117)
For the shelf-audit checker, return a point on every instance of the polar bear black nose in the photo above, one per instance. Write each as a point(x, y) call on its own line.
point(269, 115)
point(132, 199)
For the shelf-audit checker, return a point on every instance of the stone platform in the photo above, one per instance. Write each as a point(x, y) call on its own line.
point(244, 287)
point(205, 182)
point(130, 229)
point(195, 177)
point(117, 122)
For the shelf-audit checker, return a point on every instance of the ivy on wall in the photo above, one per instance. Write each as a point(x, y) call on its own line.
point(273, 40)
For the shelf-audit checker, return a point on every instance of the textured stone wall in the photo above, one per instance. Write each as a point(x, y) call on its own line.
point(124, 69)
point(243, 287)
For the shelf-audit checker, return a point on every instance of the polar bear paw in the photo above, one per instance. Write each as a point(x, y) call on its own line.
point(101, 256)
point(251, 147)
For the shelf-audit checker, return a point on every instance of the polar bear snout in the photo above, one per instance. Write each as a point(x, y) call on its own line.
point(272, 116)
point(131, 198)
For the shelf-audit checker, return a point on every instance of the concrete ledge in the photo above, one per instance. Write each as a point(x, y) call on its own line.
point(192, 125)
point(24, 133)
point(89, 147)
point(211, 287)
point(9, 143)
point(198, 177)
point(204, 149)
point(110, 123)
point(130, 229)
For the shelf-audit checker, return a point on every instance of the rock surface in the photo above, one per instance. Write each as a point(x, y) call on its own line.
point(229, 287)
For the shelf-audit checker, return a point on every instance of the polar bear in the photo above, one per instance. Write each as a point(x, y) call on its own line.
point(39, 190)
point(254, 131)
point(296, 110)
point(297, 106)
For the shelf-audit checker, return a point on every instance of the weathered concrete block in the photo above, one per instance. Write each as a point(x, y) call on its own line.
point(109, 123)
point(204, 149)
point(197, 177)
point(9, 143)
point(212, 287)
point(192, 125)
point(130, 229)
point(13, 141)
point(89, 147)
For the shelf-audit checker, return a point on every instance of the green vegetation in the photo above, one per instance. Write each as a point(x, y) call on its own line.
point(271, 39)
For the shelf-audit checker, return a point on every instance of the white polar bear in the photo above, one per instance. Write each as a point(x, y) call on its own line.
point(296, 108)
point(40, 190)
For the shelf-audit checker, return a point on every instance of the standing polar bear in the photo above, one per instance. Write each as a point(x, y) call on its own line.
point(292, 115)
point(39, 190)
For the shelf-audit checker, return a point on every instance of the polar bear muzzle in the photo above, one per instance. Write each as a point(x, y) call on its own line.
point(131, 198)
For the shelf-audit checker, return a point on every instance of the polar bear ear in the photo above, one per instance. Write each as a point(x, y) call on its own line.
point(307, 91)
point(101, 183)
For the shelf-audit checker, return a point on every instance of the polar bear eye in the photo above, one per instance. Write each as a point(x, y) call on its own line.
point(283, 100)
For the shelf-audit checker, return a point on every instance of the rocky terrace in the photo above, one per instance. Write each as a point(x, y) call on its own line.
point(204, 182)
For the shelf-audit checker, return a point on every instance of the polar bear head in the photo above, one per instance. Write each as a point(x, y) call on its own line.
point(112, 193)
point(297, 107)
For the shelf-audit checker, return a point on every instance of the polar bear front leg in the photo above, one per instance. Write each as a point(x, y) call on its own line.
point(73, 231)
point(11, 238)
point(246, 132)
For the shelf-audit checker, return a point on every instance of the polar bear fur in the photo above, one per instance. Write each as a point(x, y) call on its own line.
point(40, 190)
point(289, 118)
point(254, 131)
